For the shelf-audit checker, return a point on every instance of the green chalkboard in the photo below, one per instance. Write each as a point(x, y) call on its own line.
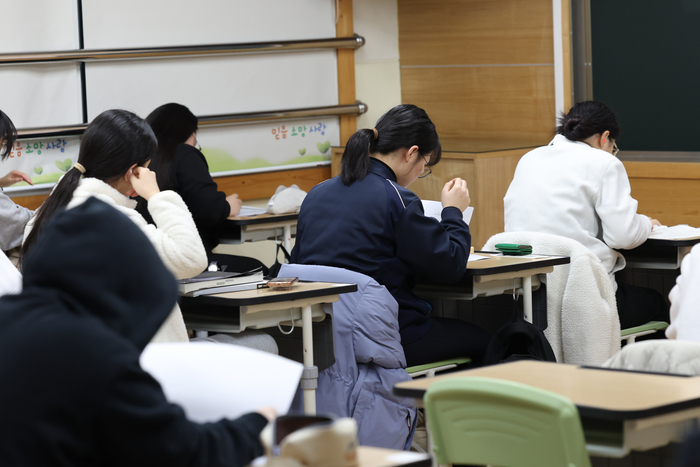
point(646, 68)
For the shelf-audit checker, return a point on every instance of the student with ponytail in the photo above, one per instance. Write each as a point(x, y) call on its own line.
point(367, 221)
point(575, 187)
point(112, 166)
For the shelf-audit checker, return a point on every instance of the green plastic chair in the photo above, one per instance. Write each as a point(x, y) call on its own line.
point(630, 334)
point(429, 369)
point(486, 421)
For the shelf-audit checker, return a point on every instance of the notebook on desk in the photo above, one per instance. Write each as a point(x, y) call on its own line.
point(216, 279)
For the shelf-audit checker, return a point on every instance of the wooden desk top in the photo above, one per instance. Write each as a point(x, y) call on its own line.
point(497, 264)
point(597, 392)
point(298, 291)
point(380, 457)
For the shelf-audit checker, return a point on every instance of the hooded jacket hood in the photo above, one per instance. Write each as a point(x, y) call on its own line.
point(95, 261)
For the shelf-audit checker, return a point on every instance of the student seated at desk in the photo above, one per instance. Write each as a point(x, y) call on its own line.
point(575, 187)
point(112, 166)
point(180, 166)
point(73, 392)
point(367, 221)
point(13, 217)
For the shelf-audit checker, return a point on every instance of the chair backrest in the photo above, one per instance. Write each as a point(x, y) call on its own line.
point(487, 421)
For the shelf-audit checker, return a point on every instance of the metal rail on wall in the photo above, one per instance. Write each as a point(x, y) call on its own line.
point(150, 53)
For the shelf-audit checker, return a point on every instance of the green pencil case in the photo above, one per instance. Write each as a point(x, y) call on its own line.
point(513, 249)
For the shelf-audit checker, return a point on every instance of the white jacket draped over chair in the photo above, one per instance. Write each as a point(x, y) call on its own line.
point(659, 356)
point(583, 325)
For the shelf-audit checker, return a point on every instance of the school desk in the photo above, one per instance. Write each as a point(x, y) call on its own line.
point(370, 456)
point(494, 276)
point(657, 253)
point(262, 308)
point(620, 410)
point(255, 228)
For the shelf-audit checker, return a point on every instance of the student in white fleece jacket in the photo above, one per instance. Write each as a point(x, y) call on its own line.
point(576, 187)
point(114, 153)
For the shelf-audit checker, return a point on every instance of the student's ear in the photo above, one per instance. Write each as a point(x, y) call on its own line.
point(412, 151)
point(605, 138)
point(127, 175)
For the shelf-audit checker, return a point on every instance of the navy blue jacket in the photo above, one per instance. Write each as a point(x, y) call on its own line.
point(377, 228)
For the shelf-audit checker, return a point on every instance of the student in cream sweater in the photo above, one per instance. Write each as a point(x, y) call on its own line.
point(576, 187)
point(114, 153)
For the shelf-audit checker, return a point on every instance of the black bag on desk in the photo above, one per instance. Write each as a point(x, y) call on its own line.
point(518, 340)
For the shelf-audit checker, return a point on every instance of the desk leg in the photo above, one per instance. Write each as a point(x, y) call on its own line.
point(307, 337)
point(527, 298)
point(288, 237)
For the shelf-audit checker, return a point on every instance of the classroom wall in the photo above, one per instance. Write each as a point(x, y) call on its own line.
point(377, 65)
point(483, 70)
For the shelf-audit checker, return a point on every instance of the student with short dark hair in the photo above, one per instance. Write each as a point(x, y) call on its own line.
point(112, 166)
point(13, 217)
point(73, 392)
point(180, 166)
point(575, 187)
point(367, 221)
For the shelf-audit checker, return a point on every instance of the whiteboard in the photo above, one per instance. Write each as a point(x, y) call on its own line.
point(51, 94)
point(215, 85)
point(39, 26)
point(40, 95)
point(143, 23)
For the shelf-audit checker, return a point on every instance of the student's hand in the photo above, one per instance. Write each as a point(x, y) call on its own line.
point(14, 177)
point(654, 223)
point(268, 412)
point(235, 204)
point(144, 182)
point(455, 193)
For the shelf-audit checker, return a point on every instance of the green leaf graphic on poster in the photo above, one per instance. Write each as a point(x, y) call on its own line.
point(64, 166)
point(302, 151)
point(323, 147)
point(38, 170)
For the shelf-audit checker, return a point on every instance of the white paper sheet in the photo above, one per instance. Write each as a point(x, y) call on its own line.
point(211, 381)
point(10, 277)
point(247, 211)
point(474, 257)
point(674, 232)
point(434, 209)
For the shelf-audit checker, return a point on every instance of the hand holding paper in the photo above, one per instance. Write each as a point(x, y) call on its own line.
point(211, 381)
point(455, 193)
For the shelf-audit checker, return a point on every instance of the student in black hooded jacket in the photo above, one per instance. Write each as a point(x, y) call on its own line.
point(72, 392)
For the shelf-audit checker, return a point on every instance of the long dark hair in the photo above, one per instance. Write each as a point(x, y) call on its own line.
point(8, 134)
point(586, 119)
point(113, 142)
point(401, 127)
point(172, 124)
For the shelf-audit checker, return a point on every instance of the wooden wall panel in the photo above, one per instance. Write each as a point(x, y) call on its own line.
point(488, 177)
point(667, 191)
point(485, 104)
point(346, 69)
point(449, 32)
point(451, 166)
